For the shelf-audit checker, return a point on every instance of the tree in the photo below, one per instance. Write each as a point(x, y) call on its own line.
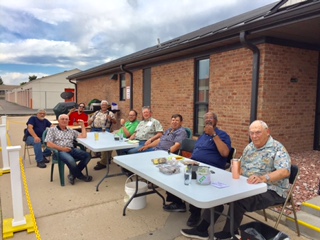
point(1, 82)
point(22, 83)
point(33, 77)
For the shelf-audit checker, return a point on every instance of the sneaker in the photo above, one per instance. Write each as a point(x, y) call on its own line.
point(71, 179)
point(224, 235)
point(194, 233)
point(85, 178)
point(99, 166)
point(193, 220)
point(41, 164)
point(175, 207)
point(45, 160)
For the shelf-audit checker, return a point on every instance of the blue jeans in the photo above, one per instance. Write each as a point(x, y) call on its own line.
point(70, 158)
point(37, 147)
point(136, 149)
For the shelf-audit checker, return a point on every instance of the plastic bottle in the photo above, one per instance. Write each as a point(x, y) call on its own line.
point(187, 175)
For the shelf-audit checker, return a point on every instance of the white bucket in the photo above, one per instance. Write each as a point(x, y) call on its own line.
point(138, 202)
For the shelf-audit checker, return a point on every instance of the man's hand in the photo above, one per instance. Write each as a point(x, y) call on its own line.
point(122, 122)
point(37, 139)
point(144, 148)
point(208, 129)
point(148, 142)
point(71, 110)
point(253, 179)
point(65, 149)
point(81, 122)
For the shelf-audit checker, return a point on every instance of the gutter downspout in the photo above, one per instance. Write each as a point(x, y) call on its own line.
point(131, 84)
point(75, 88)
point(255, 75)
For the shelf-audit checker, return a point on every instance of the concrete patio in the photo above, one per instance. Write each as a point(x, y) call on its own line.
point(79, 212)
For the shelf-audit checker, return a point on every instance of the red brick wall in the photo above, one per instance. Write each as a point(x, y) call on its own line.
point(172, 92)
point(230, 93)
point(288, 108)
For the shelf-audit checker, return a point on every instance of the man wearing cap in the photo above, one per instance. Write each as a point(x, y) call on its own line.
point(35, 128)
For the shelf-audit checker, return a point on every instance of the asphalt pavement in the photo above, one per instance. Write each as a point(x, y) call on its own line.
point(13, 109)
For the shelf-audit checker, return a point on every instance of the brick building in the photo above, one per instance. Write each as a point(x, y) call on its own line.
point(263, 64)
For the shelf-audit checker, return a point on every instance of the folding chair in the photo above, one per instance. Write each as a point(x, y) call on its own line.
point(187, 147)
point(232, 154)
point(289, 202)
point(27, 148)
point(56, 160)
point(189, 132)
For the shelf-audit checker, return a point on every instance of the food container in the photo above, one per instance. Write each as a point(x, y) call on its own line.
point(203, 175)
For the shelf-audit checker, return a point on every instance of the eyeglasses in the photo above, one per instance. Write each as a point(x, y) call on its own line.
point(64, 119)
point(258, 133)
point(81, 106)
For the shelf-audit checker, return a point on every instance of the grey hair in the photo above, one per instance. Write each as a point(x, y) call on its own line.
point(41, 110)
point(215, 116)
point(104, 102)
point(63, 115)
point(146, 107)
point(262, 124)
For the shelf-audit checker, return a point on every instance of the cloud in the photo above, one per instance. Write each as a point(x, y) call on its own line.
point(81, 34)
point(15, 78)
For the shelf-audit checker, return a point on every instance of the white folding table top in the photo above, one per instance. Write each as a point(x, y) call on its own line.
point(106, 142)
point(202, 196)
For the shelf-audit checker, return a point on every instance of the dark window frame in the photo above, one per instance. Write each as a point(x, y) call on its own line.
point(200, 107)
point(122, 86)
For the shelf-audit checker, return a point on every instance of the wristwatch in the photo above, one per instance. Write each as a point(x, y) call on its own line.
point(268, 178)
point(214, 135)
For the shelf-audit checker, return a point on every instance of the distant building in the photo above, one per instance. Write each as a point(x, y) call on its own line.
point(263, 64)
point(43, 92)
point(6, 88)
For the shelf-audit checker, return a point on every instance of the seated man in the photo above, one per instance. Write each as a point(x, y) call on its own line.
point(127, 129)
point(172, 139)
point(102, 121)
point(76, 115)
point(36, 125)
point(212, 148)
point(61, 138)
point(263, 160)
point(148, 130)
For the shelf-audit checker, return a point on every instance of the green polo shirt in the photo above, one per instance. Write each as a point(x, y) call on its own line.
point(131, 126)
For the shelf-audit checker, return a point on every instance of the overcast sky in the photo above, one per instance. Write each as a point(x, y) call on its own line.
point(42, 38)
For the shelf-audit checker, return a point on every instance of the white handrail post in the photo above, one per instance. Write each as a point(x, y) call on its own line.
point(4, 120)
point(16, 186)
point(3, 137)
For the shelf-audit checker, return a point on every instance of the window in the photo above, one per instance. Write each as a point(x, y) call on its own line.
point(201, 93)
point(122, 87)
point(147, 87)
